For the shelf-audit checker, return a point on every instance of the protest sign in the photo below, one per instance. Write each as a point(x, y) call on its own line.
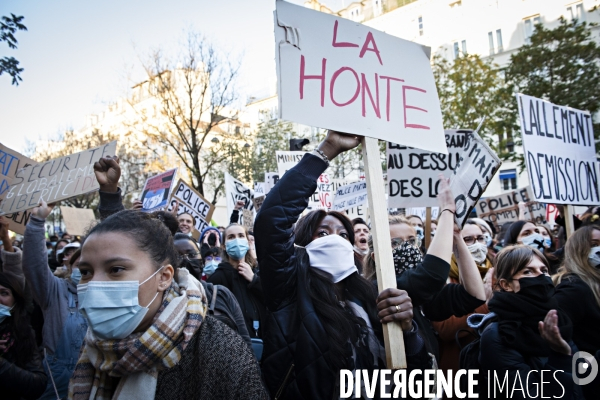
point(10, 162)
point(286, 160)
point(260, 188)
point(413, 174)
point(421, 212)
point(157, 190)
point(258, 201)
point(193, 203)
point(505, 208)
point(236, 190)
point(17, 221)
point(560, 152)
point(78, 220)
point(337, 74)
point(248, 220)
point(271, 178)
point(348, 196)
point(55, 180)
point(477, 165)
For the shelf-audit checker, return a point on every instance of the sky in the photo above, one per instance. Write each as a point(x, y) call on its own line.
point(77, 54)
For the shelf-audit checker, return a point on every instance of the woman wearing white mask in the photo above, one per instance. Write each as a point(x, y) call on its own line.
point(527, 233)
point(578, 293)
point(324, 315)
point(149, 328)
point(239, 273)
point(64, 326)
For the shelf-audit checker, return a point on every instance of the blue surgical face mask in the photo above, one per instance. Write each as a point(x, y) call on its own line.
point(594, 257)
point(4, 312)
point(237, 248)
point(76, 276)
point(210, 267)
point(548, 242)
point(535, 240)
point(112, 308)
point(53, 244)
point(488, 240)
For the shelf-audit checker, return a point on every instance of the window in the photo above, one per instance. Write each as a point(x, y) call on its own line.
point(456, 50)
point(491, 40)
point(575, 11)
point(499, 40)
point(420, 26)
point(530, 24)
point(464, 47)
point(508, 179)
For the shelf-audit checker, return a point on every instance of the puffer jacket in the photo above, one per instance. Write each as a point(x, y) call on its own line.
point(295, 353)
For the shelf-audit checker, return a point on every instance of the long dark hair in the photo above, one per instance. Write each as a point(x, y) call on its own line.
point(20, 327)
point(340, 324)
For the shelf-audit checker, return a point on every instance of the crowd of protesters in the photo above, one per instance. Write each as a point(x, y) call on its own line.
point(138, 308)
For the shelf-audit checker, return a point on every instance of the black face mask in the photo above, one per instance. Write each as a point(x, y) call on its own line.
point(194, 266)
point(539, 288)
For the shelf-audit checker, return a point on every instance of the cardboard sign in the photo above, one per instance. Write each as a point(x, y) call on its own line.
point(248, 220)
point(193, 203)
point(55, 180)
point(477, 165)
point(236, 190)
point(18, 221)
point(560, 152)
point(413, 174)
point(258, 202)
point(157, 190)
point(286, 160)
point(505, 208)
point(78, 220)
point(10, 162)
point(337, 74)
point(349, 196)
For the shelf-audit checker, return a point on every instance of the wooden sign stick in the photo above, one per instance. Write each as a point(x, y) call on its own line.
point(427, 227)
point(380, 229)
point(569, 228)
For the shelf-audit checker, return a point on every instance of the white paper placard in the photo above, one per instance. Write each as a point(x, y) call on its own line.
point(286, 160)
point(236, 190)
point(350, 196)
point(505, 207)
point(560, 152)
point(338, 74)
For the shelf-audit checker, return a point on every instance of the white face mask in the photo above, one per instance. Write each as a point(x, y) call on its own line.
point(594, 257)
point(535, 240)
point(332, 254)
point(478, 252)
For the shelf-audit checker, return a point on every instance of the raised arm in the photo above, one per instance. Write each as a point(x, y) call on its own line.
point(280, 210)
point(11, 256)
point(468, 273)
point(108, 173)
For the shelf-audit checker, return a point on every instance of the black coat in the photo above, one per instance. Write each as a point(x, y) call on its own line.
point(248, 294)
point(296, 345)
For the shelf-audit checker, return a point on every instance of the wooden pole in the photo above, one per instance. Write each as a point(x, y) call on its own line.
point(569, 228)
point(427, 227)
point(380, 230)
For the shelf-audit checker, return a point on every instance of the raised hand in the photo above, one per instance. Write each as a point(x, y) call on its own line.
point(551, 334)
point(43, 209)
point(445, 197)
point(108, 172)
point(137, 205)
point(337, 142)
point(239, 205)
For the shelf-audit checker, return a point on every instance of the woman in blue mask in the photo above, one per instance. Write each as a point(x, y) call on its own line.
point(578, 294)
point(324, 316)
point(527, 233)
point(526, 337)
point(239, 273)
point(21, 373)
point(150, 334)
point(64, 326)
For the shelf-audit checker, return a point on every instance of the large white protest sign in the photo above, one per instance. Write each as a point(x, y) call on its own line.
point(193, 203)
point(78, 220)
point(157, 191)
point(560, 152)
point(505, 207)
point(338, 74)
point(421, 212)
point(413, 174)
point(286, 160)
point(235, 190)
point(10, 162)
point(55, 180)
point(477, 165)
point(349, 196)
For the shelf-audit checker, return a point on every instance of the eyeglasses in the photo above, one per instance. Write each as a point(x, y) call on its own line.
point(211, 258)
point(469, 240)
point(188, 256)
point(397, 242)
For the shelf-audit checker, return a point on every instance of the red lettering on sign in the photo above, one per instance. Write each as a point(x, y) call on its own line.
point(321, 77)
point(406, 107)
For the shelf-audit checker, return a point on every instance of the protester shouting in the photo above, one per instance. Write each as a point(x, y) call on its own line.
point(324, 315)
point(64, 326)
point(21, 373)
point(527, 233)
point(238, 273)
point(578, 293)
point(361, 236)
point(148, 322)
point(528, 333)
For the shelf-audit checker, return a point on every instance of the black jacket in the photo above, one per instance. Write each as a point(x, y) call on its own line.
point(497, 357)
point(248, 294)
point(296, 346)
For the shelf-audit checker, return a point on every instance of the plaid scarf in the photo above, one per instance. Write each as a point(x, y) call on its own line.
point(138, 358)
